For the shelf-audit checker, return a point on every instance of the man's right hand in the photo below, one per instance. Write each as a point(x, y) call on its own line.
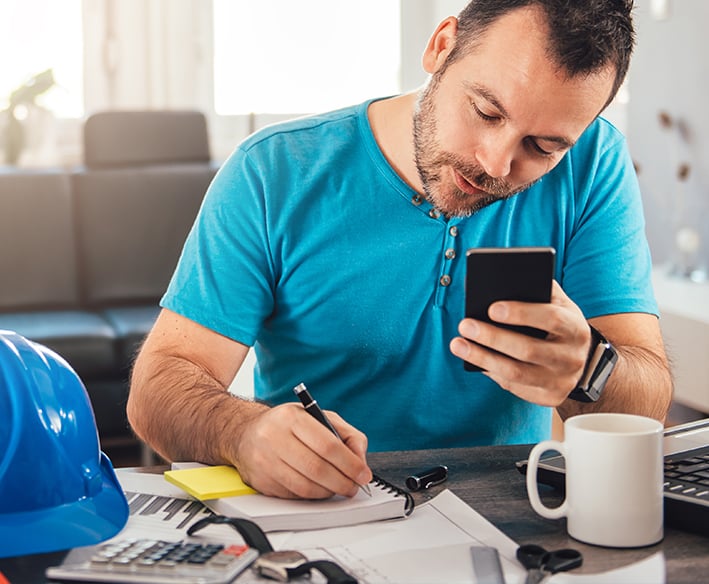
point(285, 452)
point(180, 406)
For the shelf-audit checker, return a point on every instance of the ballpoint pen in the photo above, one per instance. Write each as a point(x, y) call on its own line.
point(311, 406)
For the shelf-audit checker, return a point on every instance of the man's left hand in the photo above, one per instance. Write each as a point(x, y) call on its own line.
point(542, 371)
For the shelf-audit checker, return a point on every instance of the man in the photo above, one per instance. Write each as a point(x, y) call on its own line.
point(335, 244)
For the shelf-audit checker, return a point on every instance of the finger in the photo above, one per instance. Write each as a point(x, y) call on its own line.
point(485, 336)
point(355, 440)
point(338, 467)
point(559, 297)
point(472, 352)
point(293, 476)
point(519, 360)
point(314, 477)
point(559, 318)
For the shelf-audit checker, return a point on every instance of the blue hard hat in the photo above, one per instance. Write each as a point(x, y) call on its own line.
point(57, 489)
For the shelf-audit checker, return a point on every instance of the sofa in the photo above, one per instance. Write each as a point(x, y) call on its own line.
point(86, 252)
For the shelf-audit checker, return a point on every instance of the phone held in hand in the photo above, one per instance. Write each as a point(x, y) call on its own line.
point(507, 273)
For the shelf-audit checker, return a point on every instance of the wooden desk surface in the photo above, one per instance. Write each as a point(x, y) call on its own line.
point(488, 481)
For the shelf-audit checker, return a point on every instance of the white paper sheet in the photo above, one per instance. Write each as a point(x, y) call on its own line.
point(648, 571)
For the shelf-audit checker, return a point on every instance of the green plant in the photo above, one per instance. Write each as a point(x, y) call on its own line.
point(25, 95)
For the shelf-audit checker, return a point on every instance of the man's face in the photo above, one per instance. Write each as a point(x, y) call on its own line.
point(495, 121)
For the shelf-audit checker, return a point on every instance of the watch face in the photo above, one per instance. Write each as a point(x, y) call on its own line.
point(275, 565)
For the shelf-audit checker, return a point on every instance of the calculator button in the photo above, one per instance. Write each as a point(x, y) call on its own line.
point(235, 550)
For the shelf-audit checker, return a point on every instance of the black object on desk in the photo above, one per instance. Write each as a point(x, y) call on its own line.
point(540, 563)
point(427, 478)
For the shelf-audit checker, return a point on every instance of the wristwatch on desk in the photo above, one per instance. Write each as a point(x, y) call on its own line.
point(600, 363)
point(284, 565)
point(276, 565)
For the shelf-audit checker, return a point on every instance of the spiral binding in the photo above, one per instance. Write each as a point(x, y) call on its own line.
point(397, 491)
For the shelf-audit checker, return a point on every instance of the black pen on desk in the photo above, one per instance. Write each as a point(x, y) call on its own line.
point(311, 406)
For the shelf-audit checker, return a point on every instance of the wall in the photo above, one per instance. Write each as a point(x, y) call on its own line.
point(419, 20)
point(670, 73)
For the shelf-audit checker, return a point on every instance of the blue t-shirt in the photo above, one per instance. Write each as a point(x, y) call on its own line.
point(310, 247)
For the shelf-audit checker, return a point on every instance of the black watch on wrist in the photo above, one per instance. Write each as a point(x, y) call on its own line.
point(600, 363)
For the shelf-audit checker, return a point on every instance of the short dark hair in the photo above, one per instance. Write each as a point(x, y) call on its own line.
point(584, 36)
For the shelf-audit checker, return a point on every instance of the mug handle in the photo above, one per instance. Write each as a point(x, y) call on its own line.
point(532, 487)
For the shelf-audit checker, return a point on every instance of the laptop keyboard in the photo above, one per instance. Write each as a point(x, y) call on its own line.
point(687, 490)
point(688, 475)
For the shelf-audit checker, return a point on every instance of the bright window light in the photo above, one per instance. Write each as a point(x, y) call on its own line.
point(37, 35)
point(281, 56)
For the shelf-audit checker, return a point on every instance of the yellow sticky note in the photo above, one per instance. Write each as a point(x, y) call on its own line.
point(209, 482)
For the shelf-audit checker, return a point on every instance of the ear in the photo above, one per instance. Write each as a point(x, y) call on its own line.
point(440, 44)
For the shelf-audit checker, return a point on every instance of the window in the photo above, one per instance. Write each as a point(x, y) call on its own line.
point(280, 56)
point(37, 35)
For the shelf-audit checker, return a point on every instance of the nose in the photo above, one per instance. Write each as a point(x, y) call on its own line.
point(495, 157)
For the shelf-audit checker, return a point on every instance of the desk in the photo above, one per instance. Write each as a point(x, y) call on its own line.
point(487, 479)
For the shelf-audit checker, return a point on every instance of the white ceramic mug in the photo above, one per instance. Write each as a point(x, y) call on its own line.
point(614, 477)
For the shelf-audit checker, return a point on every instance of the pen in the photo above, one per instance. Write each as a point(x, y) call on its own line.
point(311, 406)
point(427, 478)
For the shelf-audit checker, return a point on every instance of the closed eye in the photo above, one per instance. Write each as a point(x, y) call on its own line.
point(538, 149)
point(483, 115)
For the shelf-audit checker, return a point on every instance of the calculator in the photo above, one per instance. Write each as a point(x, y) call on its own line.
point(153, 561)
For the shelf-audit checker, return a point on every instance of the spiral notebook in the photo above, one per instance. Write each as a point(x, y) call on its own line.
point(272, 514)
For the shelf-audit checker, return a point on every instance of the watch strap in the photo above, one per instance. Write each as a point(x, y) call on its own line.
point(333, 572)
point(253, 535)
point(601, 360)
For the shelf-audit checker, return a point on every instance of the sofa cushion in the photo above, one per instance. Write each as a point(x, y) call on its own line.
point(132, 324)
point(131, 227)
point(86, 340)
point(37, 242)
point(134, 138)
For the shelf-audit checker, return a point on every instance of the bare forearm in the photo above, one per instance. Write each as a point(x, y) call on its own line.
point(640, 384)
point(184, 413)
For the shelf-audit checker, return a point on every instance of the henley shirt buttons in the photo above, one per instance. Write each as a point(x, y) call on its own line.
point(453, 231)
point(450, 253)
point(434, 214)
point(417, 200)
point(445, 280)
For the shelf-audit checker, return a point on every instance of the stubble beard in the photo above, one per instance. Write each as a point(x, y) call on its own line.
point(432, 162)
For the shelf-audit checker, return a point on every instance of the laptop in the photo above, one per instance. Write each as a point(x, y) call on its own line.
point(686, 486)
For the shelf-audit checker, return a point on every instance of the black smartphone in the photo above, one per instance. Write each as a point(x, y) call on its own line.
point(507, 273)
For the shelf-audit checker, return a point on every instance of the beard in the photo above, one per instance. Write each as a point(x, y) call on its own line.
point(432, 164)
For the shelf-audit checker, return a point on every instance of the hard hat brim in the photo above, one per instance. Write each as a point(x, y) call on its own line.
point(87, 521)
